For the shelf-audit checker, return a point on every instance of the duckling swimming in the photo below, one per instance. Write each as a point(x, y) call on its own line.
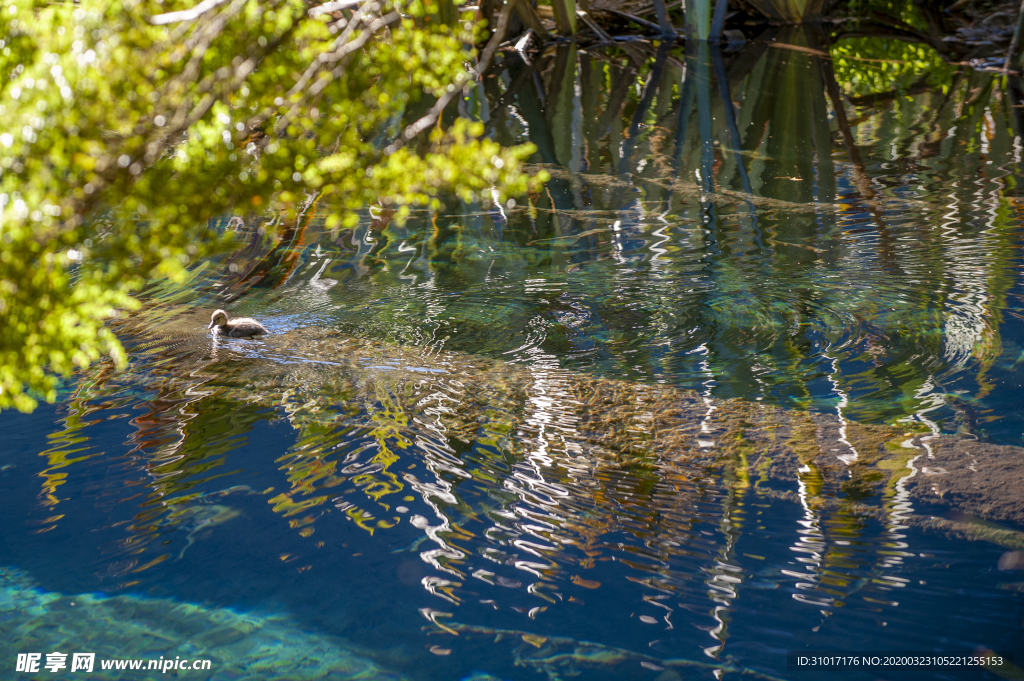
point(243, 327)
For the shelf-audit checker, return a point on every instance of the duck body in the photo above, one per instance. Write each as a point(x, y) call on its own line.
point(241, 327)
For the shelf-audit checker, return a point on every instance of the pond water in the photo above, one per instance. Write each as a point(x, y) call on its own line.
point(546, 439)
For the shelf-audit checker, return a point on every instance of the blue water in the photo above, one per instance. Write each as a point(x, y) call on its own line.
point(719, 586)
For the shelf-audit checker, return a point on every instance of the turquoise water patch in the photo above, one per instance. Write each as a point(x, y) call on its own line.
point(125, 628)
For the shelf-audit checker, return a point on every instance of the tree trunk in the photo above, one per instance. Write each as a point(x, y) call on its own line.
point(565, 16)
point(1013, 61)
point(698, 19)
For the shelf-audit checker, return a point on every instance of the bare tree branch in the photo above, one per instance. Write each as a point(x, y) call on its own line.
point(329, 7)
point(435, 112)
point(186, 14)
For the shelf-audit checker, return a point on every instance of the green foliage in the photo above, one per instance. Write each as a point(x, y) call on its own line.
point(125, 134)
point(871, 65)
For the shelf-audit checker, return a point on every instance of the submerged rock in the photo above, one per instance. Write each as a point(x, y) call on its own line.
point(412, 396)
point(239, 646)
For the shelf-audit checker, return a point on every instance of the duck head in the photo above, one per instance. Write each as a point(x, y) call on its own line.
point(219, 318)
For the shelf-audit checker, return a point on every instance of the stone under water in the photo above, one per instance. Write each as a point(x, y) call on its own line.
point(319, 376)
point(240, 646)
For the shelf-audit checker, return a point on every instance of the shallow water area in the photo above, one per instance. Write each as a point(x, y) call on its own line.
point(743, 379)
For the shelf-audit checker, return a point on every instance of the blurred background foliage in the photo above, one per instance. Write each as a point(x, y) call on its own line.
point(128, 127)
point(867, 66)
